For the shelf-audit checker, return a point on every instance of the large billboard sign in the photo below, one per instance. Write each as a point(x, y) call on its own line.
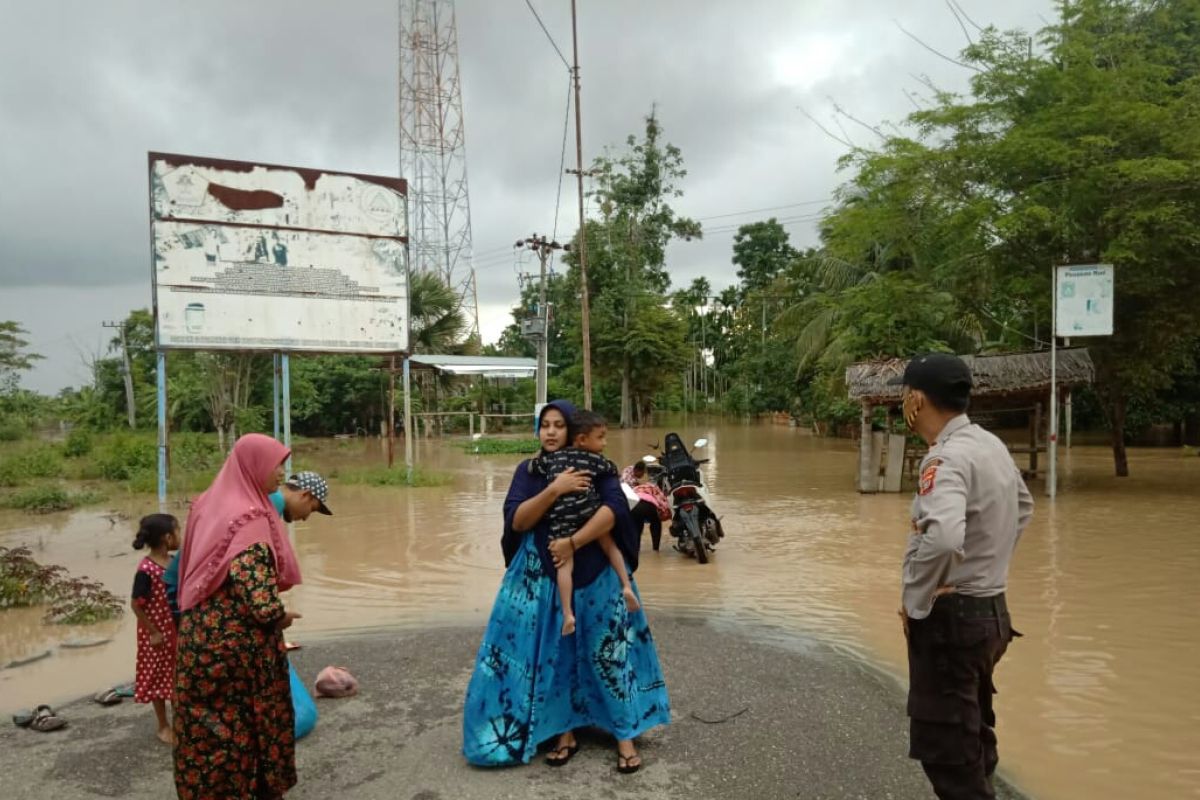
point(1084, 300)
point(261, 257)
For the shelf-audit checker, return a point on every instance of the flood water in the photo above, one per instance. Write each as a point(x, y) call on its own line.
point(1100, 699)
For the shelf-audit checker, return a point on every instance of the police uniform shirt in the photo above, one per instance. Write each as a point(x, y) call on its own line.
point(969, 511)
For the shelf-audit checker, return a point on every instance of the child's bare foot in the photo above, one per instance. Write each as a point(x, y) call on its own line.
point(166, 736)
point(568, 627)
point(631, 601)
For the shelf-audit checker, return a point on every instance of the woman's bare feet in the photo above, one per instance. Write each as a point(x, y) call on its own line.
point(568, 627)
point(631, 601)
point(166, 736)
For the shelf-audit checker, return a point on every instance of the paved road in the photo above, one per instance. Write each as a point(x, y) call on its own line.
point(753, 717)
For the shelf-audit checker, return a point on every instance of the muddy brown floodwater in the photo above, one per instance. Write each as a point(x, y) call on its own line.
point(1100, 699)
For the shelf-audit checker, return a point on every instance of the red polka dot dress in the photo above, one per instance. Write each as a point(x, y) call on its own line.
point(155, 665)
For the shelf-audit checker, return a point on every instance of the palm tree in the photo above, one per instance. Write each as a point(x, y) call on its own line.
point(437, 323)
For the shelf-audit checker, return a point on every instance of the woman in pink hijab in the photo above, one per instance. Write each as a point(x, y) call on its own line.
point(233, 703)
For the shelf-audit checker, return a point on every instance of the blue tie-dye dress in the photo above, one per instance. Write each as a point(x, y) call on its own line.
point(531, 683)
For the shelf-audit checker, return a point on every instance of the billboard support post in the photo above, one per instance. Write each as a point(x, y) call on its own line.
point(287, 409)
point(161, 380)
point(275, 370)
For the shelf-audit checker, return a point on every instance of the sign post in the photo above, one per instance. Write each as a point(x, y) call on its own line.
point(1082, 305)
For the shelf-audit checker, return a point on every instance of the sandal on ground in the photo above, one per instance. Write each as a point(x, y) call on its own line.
point(108, 697)
point(623, 765)
point(124, 690)
point(25, 718)
point(45, 720)
point(555, 759)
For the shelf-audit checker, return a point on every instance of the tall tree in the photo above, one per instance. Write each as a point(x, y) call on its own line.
point(635, 190)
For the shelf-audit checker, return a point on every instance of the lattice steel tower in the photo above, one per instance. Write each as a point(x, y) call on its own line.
point(433, 154)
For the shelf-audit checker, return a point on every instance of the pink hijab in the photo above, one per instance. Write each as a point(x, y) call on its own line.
point(233, 515)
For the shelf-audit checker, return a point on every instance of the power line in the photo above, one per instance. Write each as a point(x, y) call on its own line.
point(548, 36)
point(562, 162)
point(770, 208)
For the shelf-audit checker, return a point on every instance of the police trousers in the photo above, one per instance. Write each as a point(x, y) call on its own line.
point(951, 656)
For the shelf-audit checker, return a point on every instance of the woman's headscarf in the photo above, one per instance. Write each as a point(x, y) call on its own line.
point(233, 515)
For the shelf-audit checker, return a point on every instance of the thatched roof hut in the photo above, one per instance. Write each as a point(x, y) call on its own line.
point(996, 376)
point(1010, 382)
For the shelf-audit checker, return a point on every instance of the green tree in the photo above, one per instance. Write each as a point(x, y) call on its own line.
point(1080, 151)
point(627, 271)
point(761, 252)
point(14, 355)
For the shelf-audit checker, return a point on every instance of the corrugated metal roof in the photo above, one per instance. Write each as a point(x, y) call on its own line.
point(487, 366)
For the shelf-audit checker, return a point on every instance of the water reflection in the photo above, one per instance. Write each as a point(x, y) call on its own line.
point(1099, 699)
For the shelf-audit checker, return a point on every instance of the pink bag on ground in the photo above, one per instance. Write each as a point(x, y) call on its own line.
point(336, 682)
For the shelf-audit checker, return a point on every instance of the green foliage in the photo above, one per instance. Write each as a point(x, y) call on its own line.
point(75, 601)
point(79, 443)
point(40, 461)
point(47, 499)
point(485, 446)
point(14, 357)
point(123, 456)
point(12, 429)
point(396, 476)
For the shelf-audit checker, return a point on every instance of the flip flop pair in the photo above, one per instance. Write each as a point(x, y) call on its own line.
point(41, 719)
point(109, 697)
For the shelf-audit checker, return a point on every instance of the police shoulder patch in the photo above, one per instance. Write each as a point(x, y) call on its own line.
point(928, 477)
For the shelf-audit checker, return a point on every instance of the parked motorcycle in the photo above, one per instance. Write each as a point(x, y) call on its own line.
point(695, 526)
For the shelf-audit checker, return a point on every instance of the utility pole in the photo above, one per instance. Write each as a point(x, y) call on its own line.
point(541, 331)
point(130, 408)
point(585, 307)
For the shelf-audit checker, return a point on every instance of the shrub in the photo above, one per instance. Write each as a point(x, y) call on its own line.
point(47, 499)
point(489, 447)
point(12, 429)
point(79, 443)
point(38, 462)
point(124, 456)
point(76, 601)
point(396, 476)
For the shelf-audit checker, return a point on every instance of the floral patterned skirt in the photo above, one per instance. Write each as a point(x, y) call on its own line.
point(233, 708)
point(532, 683)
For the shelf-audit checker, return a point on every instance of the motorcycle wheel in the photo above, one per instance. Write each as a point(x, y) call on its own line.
point(701, 550)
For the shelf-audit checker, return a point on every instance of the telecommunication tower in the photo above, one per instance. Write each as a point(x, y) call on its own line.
point(433, 154)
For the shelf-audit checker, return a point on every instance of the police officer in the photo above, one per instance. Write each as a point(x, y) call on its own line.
point(969, 511)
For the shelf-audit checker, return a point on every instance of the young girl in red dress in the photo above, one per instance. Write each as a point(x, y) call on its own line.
point(156, 629)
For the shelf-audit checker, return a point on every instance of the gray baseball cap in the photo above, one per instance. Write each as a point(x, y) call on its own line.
point(314, 483)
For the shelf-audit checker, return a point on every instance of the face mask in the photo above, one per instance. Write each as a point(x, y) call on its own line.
point(910, 407)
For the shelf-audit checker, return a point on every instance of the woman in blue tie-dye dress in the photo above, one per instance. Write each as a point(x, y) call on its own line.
point(531, 683)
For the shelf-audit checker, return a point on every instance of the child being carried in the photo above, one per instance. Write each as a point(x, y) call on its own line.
point(571, 511)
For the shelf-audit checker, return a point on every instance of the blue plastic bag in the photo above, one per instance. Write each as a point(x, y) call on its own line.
point(302, 704)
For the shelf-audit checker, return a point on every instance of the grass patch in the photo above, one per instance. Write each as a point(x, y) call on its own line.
point(396, 476)
point(41, 461)
point(492, 447)
point(47, 499)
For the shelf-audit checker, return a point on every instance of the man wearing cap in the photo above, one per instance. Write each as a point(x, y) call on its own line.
point(969, 511)
point(294, 501)
point(301, 495)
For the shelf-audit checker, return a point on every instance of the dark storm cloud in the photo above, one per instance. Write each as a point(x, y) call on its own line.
point(86, 89)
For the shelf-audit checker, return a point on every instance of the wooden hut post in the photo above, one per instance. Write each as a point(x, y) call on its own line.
point(868, 483)
point(1035, 433)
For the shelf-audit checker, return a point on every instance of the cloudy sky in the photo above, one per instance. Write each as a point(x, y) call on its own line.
point(87, 88)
